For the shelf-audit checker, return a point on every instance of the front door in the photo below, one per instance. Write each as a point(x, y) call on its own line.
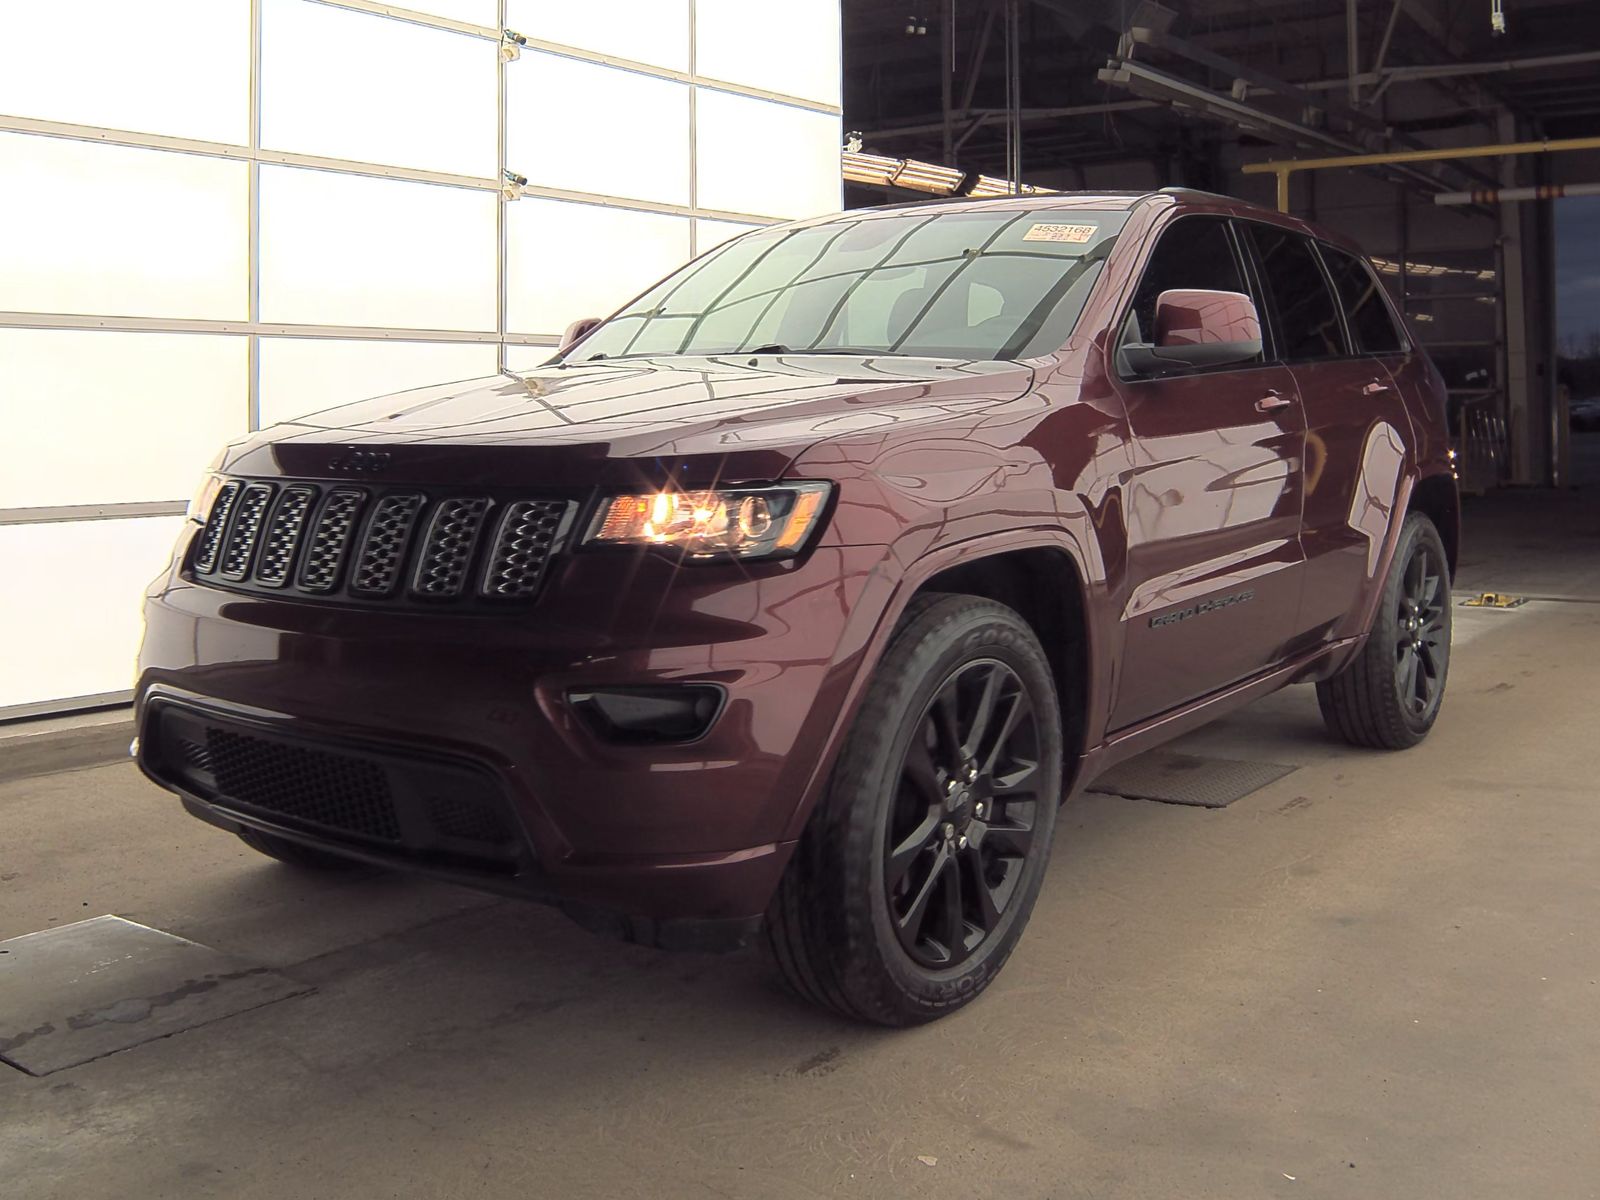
point(1213, 502)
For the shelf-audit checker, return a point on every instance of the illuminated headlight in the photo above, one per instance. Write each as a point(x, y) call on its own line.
point(769, 522)
point(204, 497)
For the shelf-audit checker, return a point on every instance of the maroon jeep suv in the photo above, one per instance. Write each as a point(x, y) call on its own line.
point(792, 599)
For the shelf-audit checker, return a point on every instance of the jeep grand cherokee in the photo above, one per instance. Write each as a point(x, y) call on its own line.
point(791, 600)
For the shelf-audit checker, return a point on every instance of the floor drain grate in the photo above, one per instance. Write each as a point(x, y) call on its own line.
point(1175, 778)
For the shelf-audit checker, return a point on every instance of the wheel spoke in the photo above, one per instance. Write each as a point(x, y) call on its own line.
point(986, 911)
point(1009, 841)
point(1406, 675)
point(1016, 782)
point(946, 725)
point(920, 771)
point(1015, 712)
point(916, 915)
point(955, 919)
point(1413, 578)
point(983, 715)
point(903, 855)
point(1430, 593)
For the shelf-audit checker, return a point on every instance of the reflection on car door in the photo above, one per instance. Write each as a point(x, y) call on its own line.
point(1213, 503)
point(1357, 429)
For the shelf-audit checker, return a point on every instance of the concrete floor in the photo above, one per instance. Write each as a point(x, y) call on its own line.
point(1377, 977)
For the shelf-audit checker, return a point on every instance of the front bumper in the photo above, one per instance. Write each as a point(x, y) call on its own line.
point(676, 844)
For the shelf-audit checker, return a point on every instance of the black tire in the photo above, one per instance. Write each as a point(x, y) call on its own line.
point(296, 855)
point(1388, 697)
point(843, 933)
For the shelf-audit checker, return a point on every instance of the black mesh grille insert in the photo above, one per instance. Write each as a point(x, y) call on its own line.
point(377, 546)
point(384, 548)
point(459, 817)
point(240, 546)
point(283, 535)
point(205, 558)
point(325, 555)
point(447, 548)
point(331, 790)
point(400, 800)
point(522, 547)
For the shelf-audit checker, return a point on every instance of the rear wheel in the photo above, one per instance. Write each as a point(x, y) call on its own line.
point(294, 853)
point(1389, 696)
point(919, 870)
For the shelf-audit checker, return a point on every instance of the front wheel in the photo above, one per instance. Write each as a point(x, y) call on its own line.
point(1388, 697)
point(919, 870)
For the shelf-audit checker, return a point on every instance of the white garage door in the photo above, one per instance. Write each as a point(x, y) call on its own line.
point(219, 214)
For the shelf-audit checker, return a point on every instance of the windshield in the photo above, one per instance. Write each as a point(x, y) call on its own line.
point(970, 284)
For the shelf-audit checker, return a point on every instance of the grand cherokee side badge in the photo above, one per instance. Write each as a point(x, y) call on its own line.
point(1205, 606)
point(360, 462)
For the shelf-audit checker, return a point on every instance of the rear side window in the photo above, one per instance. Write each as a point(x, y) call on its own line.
point(1370, 322)
point(1308, 318)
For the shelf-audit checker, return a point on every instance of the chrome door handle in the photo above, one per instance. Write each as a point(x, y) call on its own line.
point(1273, 401)
point(1373, 388)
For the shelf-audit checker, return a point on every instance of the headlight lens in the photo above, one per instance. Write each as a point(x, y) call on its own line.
point(770, 522)
point(204, 497)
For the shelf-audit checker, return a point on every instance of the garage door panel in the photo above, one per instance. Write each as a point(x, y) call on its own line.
point(351, 250)
point(116, 230)
point(589, 128)
point(766, 159)
point(358, 86)
point(60, 642)
point(647, 31)
point(174, 67)
point(566, 261)
point(96, 417)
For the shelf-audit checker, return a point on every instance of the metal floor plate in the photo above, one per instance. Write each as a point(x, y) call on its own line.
point(1175, 778)
point(89, 989)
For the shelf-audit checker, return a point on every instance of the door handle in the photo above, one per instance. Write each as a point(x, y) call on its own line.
point(1273, 401)
point(1373, 388)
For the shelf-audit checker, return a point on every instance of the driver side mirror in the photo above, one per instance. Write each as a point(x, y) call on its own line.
point(1198, 328)
point(576, 332)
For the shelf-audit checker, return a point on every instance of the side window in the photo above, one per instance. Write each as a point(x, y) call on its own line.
point(1196, 252)
point(1368, 316)
point(1308, 318)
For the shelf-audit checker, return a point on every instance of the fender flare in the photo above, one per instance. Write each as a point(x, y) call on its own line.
point(873, 638)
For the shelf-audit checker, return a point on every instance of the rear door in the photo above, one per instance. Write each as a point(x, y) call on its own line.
point(1333, 320)
point(1213, 504)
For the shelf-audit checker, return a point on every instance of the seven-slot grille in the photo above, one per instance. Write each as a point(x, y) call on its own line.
point(375, 545)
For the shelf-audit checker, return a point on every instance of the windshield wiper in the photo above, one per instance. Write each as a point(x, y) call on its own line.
point(776, 348)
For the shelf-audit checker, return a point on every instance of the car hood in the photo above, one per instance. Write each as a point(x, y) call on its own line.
point(609, 422)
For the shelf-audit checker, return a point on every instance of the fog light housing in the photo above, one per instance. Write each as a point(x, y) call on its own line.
point(664, 715)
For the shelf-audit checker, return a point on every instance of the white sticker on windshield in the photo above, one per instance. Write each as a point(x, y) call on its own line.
point(1059, 233)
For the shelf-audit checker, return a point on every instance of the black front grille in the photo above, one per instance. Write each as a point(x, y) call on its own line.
point(395, 801)
point(378, 546)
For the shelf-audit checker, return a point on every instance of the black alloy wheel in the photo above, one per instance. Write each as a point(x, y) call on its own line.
point(1387, 697)
point(961, 825)
point(1422, 631)
point(919, 868)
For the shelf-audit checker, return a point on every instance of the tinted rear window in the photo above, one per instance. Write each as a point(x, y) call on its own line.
point(1308, 319)
point(1370, 322)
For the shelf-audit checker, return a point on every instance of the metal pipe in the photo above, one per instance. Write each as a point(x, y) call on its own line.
point(1548, 191)
point(1352, 50)
point(1388, 36)
point(1283, 168)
